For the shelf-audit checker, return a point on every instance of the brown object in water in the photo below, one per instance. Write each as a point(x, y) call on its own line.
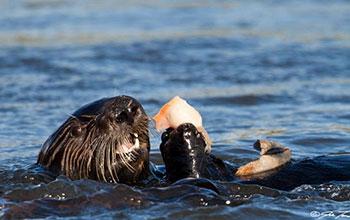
point(273, 155)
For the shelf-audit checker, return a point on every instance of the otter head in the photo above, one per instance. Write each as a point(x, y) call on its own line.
point(184, 152)
point(106, 140)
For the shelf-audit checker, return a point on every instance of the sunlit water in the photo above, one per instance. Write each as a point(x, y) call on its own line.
point(254, 69)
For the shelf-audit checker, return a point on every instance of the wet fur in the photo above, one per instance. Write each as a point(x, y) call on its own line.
point(183, 152)
point(185, 156)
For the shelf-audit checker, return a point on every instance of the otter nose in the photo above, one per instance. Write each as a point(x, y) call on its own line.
point(124, 116)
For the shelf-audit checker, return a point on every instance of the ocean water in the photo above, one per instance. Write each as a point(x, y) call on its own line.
point(253, 69)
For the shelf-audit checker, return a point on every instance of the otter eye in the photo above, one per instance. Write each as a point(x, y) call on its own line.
point(76, 131)
point(121, 117)
point(134, 110)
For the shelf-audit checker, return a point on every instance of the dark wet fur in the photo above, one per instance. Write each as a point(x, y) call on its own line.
point(85, 145)
point(183, 152)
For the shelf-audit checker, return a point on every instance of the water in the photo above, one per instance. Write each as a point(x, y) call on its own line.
point(271, 69)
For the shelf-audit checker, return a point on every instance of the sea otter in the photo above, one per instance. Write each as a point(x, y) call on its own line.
point(106, 140)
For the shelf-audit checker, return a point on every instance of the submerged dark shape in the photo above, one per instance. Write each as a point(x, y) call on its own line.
point(106, 140)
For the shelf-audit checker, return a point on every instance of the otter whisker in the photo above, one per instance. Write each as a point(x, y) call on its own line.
point(114, 159)
point(127, 164)
point(96, 159)
point(126, 156)
point(66, 154)
point(82, 168)
point(92, 152)
point(77, 152)
point(129, 104)
point(132, 156)
point(108, 160)
point(82, 161)
point(88, 152)
point(101, 160)
point(69, 159)
point(122, 159)
point(56, 145)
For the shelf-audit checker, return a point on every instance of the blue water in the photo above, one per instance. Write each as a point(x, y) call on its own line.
point(253, 69)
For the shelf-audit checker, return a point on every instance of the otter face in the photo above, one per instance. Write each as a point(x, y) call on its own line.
point(106, 140)
point(183, 151)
